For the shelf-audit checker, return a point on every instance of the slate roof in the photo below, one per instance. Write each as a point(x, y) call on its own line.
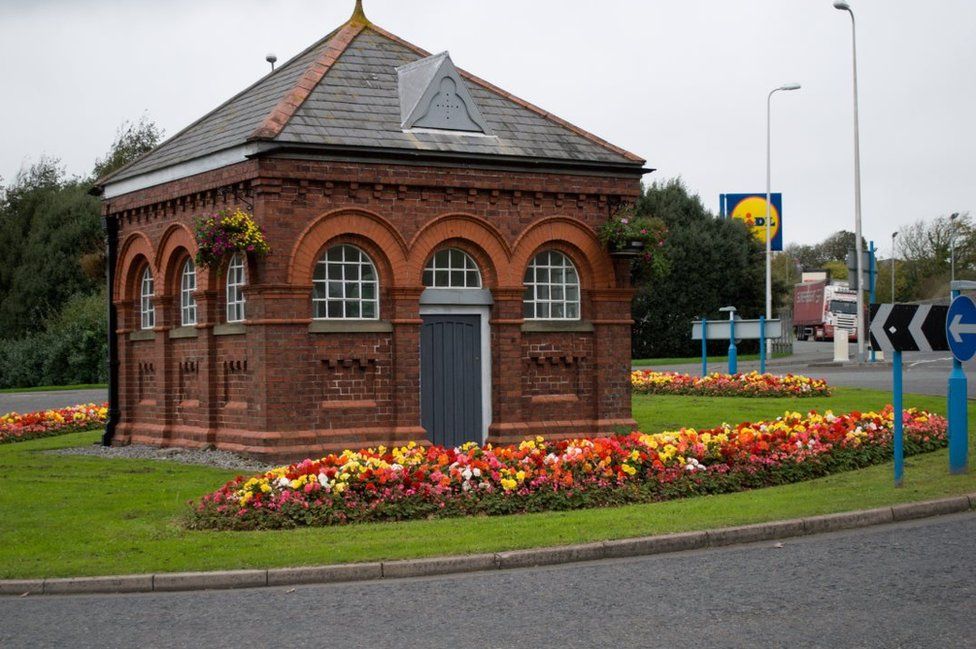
point(342, 92)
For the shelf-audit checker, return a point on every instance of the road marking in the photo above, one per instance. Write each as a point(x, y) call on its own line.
point(931, 360)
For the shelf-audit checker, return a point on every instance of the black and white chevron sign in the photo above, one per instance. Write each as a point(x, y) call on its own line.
point(909, 327)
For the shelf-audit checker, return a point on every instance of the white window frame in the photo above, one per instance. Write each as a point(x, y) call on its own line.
point(339, 282)
point(188, 303)
point(234, 292)
point(448, 265)
point(147, 291)
point(540, 288)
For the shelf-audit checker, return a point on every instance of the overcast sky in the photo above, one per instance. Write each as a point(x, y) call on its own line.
point(683, 84)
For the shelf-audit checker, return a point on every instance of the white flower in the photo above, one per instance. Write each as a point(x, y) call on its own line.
point(323, 480)
point(476, 472)
point(284, 482)
point(396, 467)
point(466, 473)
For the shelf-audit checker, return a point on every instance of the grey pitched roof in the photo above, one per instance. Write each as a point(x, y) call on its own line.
point(342, 91)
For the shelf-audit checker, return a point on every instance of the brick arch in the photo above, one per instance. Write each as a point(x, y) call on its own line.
point(175, 245)
point(571, 237)
point(351, 224)
point(474, 235)
point(134, 251)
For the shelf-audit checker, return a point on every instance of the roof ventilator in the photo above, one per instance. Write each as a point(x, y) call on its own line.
point(433, 95)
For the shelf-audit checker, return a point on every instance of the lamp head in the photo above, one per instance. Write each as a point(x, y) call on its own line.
point(728, 309)
point(894, 234)
point(841, 5)
point(790, 86)
point(954, 216)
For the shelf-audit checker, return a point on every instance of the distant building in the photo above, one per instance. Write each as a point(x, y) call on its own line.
point(434, 273)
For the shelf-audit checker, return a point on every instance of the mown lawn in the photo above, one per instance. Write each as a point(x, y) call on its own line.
point(715, 363)
point(67, 516)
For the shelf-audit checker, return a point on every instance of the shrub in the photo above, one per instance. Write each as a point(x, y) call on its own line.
point(752, 384)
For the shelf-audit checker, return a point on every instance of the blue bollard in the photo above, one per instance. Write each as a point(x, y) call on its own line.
point(898, 433)
point(762, 344)
point(733, 356)
point(704, 347)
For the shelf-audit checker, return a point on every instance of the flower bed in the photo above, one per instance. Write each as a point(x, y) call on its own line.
point(420, 482)
point(15, 427)
point(752, 384)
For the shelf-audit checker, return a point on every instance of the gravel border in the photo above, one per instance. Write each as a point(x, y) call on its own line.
point(197, 456)
point(633, 547)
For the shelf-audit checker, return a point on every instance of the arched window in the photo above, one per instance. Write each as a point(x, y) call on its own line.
point(188, 303)
point(236, 280)
point(452, 268)
point(552, 290)
point(147, 310)
point(345, 286)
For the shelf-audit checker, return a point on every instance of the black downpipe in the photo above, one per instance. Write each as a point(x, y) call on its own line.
point(111, 227)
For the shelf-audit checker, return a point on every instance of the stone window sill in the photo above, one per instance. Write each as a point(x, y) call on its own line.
point(142, 334)
point(349, 326)
point(230, 329)
point(183, 332)
point(531, 326)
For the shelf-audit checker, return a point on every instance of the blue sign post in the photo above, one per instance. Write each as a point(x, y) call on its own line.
point(704, 322)
point(898, 416)
point(872, 276)
point(733, 351)
point(961, 334)
point(762, 344)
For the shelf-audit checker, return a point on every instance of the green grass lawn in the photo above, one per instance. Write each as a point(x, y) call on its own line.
point(720, 363)
point(55, 388)
point(67, 516)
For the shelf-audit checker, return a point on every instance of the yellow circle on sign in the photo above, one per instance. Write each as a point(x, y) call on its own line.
point(752, 212)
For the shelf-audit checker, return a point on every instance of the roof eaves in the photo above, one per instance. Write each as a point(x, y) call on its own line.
point(521, 102)
point(108, 178)
point(289, 104)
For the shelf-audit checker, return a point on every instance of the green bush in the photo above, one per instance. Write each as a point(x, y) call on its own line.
point(72, 348)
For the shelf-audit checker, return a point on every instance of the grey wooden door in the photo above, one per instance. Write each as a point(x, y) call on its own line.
point(450, 378)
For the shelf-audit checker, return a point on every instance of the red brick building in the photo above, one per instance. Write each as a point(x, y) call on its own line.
point(434, 274)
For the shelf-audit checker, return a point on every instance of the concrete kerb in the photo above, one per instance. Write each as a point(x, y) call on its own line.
point(642, 546)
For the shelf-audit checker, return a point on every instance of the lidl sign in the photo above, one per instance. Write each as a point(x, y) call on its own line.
point(751, 210)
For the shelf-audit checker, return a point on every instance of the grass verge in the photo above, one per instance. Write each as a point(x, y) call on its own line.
point(70, 516)
point(55, 388)
point(712, 360)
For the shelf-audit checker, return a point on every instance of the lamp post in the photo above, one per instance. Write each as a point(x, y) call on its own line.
point(769, 243)
point(894, 235)
point(842, 5)
point(952, 245)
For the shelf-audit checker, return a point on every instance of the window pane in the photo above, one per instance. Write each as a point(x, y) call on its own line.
point(352, 309)
point(335, 271)
point(428, 278)
point(369, 309)
point(369, 291)
point(442, 278)
point(335, 289)
point(457, 278)
point(335, 309)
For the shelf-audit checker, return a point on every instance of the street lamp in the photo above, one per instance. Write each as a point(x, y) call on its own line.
point(952, 245)
point(769, 244)
point(858, 247)
point(894, 235)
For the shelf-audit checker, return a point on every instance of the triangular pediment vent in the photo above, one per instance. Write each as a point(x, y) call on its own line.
point(433, 95)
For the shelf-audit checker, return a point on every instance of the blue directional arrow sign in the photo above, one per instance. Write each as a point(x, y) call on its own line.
point(961, 328)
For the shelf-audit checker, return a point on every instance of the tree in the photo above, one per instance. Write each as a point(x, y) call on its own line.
point(131, 141)
point(51, 234)
point(712, 263)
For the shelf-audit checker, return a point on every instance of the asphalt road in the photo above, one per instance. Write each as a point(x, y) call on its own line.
point(903, 585)
point(924, 373)
point(32, 401)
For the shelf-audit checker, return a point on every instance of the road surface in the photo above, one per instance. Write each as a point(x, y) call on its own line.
point(903, 585)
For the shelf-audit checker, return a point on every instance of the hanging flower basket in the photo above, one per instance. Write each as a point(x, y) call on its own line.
point(625, 234)
point(225, 232)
